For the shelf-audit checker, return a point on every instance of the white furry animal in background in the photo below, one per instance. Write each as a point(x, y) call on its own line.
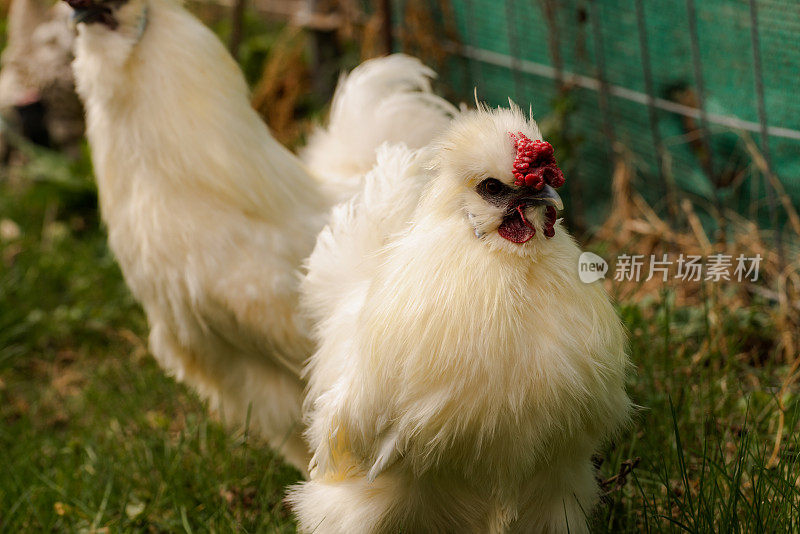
point(36, 70)
point(463, 379)
point(208, 216)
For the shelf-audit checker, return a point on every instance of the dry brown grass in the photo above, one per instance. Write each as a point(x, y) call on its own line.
point(284, 81)
point(634, 227)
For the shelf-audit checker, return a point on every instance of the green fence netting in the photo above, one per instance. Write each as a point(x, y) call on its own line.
point(676, 83)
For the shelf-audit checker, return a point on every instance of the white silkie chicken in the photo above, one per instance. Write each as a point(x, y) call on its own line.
point(208, 216)
point(464, 374)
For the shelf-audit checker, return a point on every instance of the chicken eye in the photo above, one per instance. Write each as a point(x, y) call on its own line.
point(490, 187)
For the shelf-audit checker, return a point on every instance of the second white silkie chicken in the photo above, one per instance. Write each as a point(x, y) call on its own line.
point(464, 374)
point(208, 215)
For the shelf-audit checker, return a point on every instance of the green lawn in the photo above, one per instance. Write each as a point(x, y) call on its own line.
point(92, 434)
point(95, 437)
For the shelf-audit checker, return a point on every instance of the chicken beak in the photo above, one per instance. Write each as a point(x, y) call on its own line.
point(82, 14)
point(546, 196)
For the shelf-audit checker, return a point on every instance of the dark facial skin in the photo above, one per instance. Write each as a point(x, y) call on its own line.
point(514, 200)
point(95, 11)
point(499, 194)
point(495, 192)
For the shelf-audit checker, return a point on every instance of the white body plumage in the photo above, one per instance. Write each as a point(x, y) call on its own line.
point(461, 383)
point(208, 216)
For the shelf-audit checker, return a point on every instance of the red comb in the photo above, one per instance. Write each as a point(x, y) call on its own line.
point(535, 164)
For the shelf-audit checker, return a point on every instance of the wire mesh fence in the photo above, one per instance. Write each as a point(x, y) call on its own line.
point(700, 97)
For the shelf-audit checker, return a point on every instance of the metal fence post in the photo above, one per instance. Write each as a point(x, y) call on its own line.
point(762, 121)
point(701, 106)
point(647, 71)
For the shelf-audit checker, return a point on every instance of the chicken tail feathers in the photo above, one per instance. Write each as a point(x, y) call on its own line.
point(383, 100)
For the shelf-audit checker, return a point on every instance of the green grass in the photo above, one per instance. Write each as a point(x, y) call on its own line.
point(706, 426)
point(94, 436)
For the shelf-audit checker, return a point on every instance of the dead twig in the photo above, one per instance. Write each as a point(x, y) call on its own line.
point(618, 481)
